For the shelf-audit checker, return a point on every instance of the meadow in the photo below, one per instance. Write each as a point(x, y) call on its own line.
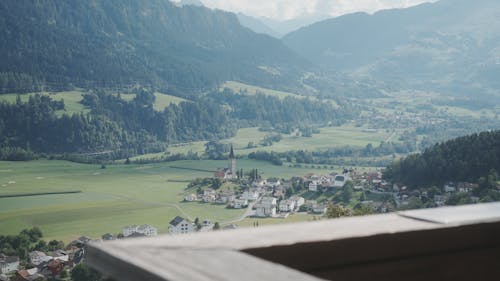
point(72, 100)
point(112, 198)
point(328, 137)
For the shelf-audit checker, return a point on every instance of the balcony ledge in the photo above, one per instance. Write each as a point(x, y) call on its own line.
point(451, 243)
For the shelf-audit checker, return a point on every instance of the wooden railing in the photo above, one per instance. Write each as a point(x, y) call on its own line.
point(451, 243)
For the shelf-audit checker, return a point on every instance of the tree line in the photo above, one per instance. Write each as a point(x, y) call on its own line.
point(467, 159)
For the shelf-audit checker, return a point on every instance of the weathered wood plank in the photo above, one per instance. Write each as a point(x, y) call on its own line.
point(152, 264)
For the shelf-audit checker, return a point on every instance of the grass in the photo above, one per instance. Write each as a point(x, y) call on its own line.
point(111, 198)
point(71, 100)
point(329, 137)
point(162, 100)
point(253, 90)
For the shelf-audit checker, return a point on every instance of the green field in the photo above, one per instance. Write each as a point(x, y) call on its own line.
point(162, 100)
point(71, 100)
point(252, 90)
point(329, 137)
point(111, 198)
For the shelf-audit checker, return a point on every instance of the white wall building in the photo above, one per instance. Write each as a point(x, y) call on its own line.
point(299, 201)
point(145, 229)
point(239, 203)
point(8, 264)
point(287, 205)
point(340, 180)
point(250, 195)
point(37, 257)
point(180, 226)
point(266, 207)
point(313, 186)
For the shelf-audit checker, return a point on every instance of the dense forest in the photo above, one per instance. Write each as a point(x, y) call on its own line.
point(472, 158)
point(120, 128)
point(114, 44)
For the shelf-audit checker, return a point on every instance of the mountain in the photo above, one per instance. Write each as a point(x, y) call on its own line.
point(184, 50)
point(256, 25)
point(450, 45)
point(286, 26)
point(191, 2)
point(283, 27)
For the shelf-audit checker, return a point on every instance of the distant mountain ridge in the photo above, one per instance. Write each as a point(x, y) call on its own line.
point(450, 45)
point(256, 25)
point(185, 50)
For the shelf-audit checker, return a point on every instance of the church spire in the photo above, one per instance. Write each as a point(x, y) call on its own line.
point(231, 154)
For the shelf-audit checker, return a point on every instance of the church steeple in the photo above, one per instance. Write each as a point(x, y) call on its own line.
point(231, 154)
point(231, 165)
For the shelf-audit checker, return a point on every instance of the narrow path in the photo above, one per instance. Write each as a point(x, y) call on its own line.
point(390, 136)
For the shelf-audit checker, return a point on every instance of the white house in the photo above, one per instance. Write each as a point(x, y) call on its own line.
point(299, 201)
point(37, 257)
point(449, 187)
point(266, 207)
point(180, 226)
point(273, 183)
point(340, 180)
point(190, 198)
point(146, 230)
point(287, 205)
point(60, 255)
point(209, 195)
point(319, 208)
point(239, 203)
point(313, 186)
point(8, 263)
point(225, 197)
point(250, 195)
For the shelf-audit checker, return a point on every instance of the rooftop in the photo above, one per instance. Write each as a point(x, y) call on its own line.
point(451, 243)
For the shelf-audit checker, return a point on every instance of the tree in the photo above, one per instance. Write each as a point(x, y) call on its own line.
point(55, 245)
point(362, 211)
point(216, 226)
point(336, 211)
point(347, 192)
point(216, 183)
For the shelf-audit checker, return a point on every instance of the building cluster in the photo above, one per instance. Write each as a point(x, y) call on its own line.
point(180, 225)
point(144, 230)
point(43, 265)
point(321, 183)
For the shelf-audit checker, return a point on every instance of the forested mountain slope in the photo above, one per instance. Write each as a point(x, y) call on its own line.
point(463, 159)
point(183, 50)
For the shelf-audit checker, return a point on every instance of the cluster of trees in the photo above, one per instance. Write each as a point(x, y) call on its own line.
point(117, 128)
point(272, 157)
point(331, 155)
point(468, 158)
point(26, 241)
point(129, 127)
point(263, 109)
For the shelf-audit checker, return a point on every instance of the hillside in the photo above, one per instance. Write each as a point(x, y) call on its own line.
point(463, 159)
point(183, 50)
point(449, 45)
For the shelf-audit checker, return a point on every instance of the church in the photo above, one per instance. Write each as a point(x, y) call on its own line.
point(230, 172)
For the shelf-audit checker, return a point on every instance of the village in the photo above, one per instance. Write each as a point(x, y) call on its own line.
point(271, 198)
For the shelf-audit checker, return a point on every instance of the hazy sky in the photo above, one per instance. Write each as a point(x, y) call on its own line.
point(289, 9)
